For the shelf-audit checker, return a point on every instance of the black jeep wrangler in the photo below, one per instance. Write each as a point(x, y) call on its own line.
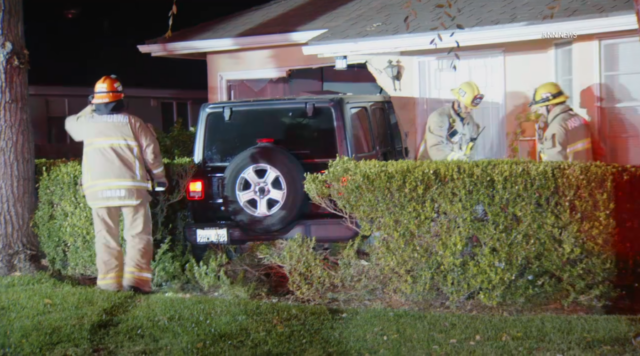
point(252, 157)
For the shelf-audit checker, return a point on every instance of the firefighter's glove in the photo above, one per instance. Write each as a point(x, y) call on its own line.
point(161, 186)
point(467, 151)
point(457, 156)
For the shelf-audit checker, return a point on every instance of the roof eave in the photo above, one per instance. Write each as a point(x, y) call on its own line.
point(46, 90)
point(229, 44)
point(472, 37)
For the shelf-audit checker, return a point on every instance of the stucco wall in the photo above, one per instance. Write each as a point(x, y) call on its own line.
point(404, 102)
point(405, 96)
point(527, 65)
point(285, 57)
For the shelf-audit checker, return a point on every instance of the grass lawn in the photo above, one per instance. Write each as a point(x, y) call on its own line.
point(40, 315)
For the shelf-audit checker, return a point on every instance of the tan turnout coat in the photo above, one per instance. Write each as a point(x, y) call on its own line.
point(568, 137)
point(118, 150)
point(446, 134)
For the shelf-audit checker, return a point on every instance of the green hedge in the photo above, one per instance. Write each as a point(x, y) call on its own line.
point(177, 143)
point(550, 232)
point(547, 233)
point(63, 219)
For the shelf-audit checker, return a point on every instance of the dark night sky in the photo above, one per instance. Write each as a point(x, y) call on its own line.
point(102, 40)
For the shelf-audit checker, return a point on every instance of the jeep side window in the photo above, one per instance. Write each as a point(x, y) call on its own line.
point(381, 133)
point(396, 134)
point(361, 132)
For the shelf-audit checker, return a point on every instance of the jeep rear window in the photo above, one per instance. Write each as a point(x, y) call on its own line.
point(304, 137)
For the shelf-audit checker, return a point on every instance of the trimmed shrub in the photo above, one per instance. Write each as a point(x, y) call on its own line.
point(309, 276)
point(324, 276)
point(63, 220)
point(64, 224)
point(497, 231)
point(177, 143)
point(45, 165)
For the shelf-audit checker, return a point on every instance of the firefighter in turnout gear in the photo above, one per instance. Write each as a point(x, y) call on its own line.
point(120, 157)
point(451, 131)
point(562, 135)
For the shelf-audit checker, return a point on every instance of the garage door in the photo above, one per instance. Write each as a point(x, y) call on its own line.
point(487, 70)
point(619, 119)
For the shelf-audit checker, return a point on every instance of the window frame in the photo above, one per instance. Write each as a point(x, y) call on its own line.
point(175, 112)
point(603, 128)
point(202, 129)
point(561, 49)
point(66, 111)
point(366, 155)
point(50, 133)
point(387, 153)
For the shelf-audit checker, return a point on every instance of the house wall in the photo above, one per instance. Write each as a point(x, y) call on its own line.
point(527, 65)
point(286, 57)
point(47, 113)
point(292, 57)
point(404, 96)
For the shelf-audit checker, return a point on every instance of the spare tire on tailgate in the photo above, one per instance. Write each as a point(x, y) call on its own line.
point(264, 189)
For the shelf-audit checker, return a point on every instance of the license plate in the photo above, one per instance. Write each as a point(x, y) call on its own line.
point(218, 236)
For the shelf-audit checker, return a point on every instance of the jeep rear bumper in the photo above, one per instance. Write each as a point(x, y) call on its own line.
point(324, 230)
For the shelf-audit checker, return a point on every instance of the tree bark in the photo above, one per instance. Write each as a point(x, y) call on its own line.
point(18, 243)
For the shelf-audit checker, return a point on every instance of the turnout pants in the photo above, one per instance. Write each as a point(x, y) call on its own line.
point(135, 270)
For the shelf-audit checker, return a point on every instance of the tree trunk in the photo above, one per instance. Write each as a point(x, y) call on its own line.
point(18, 244)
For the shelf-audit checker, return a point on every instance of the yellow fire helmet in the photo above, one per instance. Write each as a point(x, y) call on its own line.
point(468, 94)
point(548, 94)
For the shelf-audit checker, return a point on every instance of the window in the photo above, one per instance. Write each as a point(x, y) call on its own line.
point(56, 114)
point(361, 131)
point(395, 127)
point(382, 133)
point(307, 138)
point(56, 133)
point(182, 112)
point(168, 119)
point(564, 69)
point(380, 128)
point(172, 111)
point(619, 114)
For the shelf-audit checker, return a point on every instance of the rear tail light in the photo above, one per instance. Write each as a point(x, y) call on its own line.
point(265, 140)
point(195, 190)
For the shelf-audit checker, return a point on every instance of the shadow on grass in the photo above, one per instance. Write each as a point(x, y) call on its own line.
point(100, 331)
point(73, 280)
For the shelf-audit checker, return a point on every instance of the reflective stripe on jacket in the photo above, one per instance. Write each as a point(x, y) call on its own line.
point(568, 137)
point(446, 136)
point(118, 150)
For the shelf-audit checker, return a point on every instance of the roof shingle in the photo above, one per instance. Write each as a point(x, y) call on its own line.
point(353, 19)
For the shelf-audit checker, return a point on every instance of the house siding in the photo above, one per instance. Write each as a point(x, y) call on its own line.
point(527, 65)
point(46, 103)
point(286, 57)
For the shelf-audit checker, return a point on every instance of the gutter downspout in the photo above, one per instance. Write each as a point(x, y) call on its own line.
point(637, 5)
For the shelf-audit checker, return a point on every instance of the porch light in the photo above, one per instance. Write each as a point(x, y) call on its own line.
point(341, 63)
point(394, 72)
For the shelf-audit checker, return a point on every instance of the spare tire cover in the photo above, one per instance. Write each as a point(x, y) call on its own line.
point(264, 189)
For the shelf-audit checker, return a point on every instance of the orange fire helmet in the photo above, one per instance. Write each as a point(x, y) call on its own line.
point(108, 89)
